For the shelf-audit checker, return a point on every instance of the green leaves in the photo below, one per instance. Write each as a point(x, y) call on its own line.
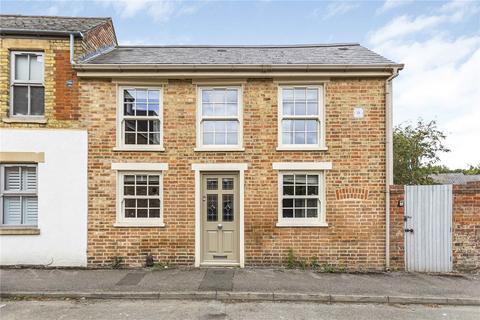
point(415, 152)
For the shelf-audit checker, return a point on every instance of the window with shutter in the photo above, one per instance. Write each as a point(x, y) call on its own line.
point(19, 199)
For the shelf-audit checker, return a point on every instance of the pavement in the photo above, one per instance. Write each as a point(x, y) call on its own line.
point(241, 284)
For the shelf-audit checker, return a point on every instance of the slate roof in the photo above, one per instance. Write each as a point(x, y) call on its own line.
point(42, 24)
point(335, 54)
point(454, 178)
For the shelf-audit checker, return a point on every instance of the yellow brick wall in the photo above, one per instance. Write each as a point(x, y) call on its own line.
point(355, 237)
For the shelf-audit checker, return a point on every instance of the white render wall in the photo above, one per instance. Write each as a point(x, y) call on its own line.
point(62, 198)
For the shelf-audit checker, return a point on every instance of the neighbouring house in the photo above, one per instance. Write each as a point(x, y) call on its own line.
point(43, 138)
point(454, 178)
point(197, 155)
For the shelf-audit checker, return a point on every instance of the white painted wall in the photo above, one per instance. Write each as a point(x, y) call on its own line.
point(62, 198)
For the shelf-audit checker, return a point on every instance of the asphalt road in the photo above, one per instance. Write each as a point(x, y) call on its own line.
point(216, 310)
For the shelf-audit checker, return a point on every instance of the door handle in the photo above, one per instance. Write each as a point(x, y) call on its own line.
point(409, 230)
point(220, 226)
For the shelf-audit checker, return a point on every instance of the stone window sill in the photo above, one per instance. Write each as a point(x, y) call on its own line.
point(19, 231)
point(139, 225)
point(39, 120)
point(303, 225)
point(219, 149)
point(301, 148)
point(141, 149)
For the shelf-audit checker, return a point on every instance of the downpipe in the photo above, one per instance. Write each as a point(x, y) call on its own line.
point(388, 161)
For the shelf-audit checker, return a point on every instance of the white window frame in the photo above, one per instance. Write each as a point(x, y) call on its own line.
point(320, 146)
point(123, 169)
point(200, 118)
point(28, 83)
point(308, 168)
point(121, 146)
point(4, 192)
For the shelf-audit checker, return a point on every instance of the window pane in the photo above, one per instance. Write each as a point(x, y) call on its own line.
point(153, 190)
point(209, 126)
point(300, 94)
point(212, 203)
point(299, 125)
point(37, 101)
point(232, 126)
point(141, 103)
point(128, 109)
point(212, 183)
point(129, 96)
point(227, 183)
point(142, 138)
point(129, 180)
point(153, 180)
point(312, 179)
point(300, 190)
point(231, 109)
point(129, 213)
point(312, 190)
point(299, 203)
point(130, 203)
point(130, 125)
point(287, 94)
point(153, 109)
point(154, 138)
point(142, 125)
point(312, 213)
point(141, 190)
point(154, 125)
point(20, 100)
point(154, 213)
point(154, 203)
point(288, 108)
point(299, 138)
point(287, 203)
point(228, 213)
point(232, 96)
point(287, 213)
point(208, 138)
point(312, 94)
point(232, 138)
point(142, 203)
point(142, 213)
point(206, 96)
point(312, 125)
point(300, 108)
point(299, 213)
point(220, 138)
point(312, 108)
point(21, 67)
point(36, 67)
point(207, 109)
point(288, 190)
point(12, 210)
point(288, 179)
point(287, 138)
point(217, 96)
point(130, 138)
point(287, 125)
point(311, 138)
point(312, 203)
point(300, 179)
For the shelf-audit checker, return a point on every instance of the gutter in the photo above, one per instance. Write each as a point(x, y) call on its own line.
point(22, 32)
point(388, 159)
point(231, 67)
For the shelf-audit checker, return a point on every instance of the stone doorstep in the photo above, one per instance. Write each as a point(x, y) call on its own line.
point(242, 296)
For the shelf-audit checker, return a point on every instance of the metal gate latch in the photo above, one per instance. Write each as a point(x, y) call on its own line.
point(409, 230)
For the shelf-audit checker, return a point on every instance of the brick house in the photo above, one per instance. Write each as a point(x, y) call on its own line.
point(229, 155)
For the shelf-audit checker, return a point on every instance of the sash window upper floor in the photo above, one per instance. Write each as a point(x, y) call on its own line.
point(27, 91)
point(301, 123)
point(140, 119)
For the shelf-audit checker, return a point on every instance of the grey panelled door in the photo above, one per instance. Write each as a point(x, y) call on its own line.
point(428, 228)
point(220, 204)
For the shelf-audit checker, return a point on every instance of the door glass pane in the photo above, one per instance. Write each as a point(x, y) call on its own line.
point(227, 183)
point(212, 207)
point(36, 67)
point(228, 207)
point(20, 100)
point(212, 183)
point(21, 67)
point(37, 101)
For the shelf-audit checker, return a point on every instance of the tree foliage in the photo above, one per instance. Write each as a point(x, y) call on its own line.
point(416, 151)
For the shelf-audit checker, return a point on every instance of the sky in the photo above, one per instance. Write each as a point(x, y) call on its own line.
point(438, 41)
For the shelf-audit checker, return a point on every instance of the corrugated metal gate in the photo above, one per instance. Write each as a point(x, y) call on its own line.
point(428, 228)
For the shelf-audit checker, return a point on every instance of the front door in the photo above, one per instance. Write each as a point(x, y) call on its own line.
point(220, 210)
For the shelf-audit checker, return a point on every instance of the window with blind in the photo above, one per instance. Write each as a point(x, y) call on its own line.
point(27, 91)
point(19, 195)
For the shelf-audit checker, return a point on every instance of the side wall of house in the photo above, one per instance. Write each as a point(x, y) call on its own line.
point(62, 198)
point(355, 237)
point(397, 233)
